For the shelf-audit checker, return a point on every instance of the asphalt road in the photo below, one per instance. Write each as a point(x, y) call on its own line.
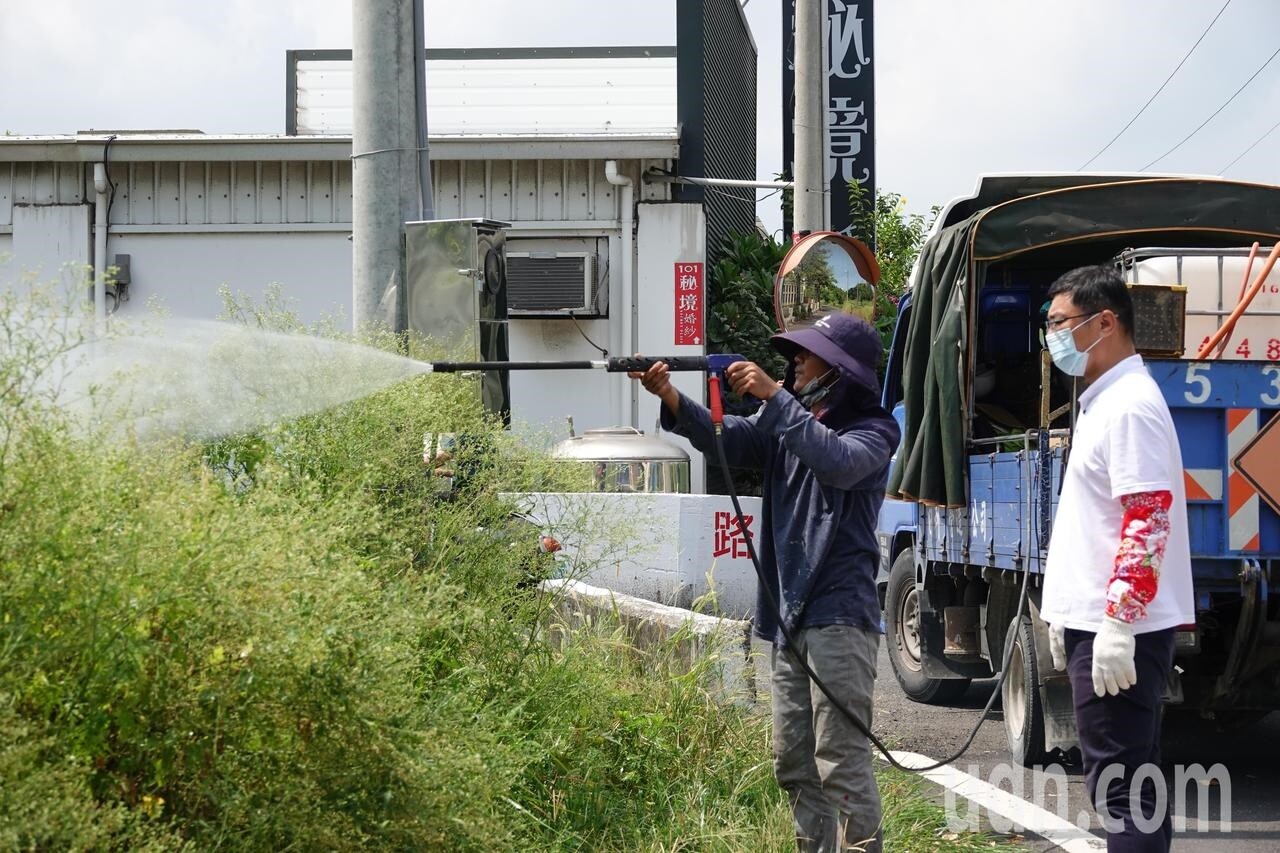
point(1249, 797)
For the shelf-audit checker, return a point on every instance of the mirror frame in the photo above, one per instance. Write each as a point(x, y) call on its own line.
point(861, 255)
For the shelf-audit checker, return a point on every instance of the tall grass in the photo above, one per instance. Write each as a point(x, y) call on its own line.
point(288, 640)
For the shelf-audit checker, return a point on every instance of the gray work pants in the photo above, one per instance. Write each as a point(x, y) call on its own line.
point(820, 759)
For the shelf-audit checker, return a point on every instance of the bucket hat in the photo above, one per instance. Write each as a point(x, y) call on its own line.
point(842, 341)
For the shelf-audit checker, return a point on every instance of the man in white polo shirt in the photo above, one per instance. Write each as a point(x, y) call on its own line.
point(1118, 579)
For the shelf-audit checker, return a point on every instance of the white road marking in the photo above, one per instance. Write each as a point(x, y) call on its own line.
point(1030, 817)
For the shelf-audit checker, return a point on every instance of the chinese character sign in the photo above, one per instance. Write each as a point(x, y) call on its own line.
point(689, 304)
point(728, 535)
point(850, 109)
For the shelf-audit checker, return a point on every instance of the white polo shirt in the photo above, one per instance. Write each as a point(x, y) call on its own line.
point(1123, 443)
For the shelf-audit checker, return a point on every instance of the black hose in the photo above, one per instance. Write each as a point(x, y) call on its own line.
point(813, 676)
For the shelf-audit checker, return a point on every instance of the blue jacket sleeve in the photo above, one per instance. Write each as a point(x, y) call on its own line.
point(745, 444)
point(839, 460)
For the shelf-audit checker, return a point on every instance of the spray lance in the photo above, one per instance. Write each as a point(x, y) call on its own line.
point(715, 367)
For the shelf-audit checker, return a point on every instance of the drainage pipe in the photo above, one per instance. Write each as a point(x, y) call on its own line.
point(102, 188)
point(627, 220)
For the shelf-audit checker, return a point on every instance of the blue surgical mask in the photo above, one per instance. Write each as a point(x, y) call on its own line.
point(816, 390)
point(1069, 358)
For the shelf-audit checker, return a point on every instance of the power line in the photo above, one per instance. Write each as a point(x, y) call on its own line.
point(1215, 112)
point(1255, 144)
point(1185, 57)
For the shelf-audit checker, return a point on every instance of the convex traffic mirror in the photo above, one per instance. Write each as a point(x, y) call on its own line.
point(824, 272)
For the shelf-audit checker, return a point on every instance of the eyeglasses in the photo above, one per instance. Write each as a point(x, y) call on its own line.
point(1051, 325)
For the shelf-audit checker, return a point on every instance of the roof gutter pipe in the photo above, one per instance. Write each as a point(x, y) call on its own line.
point(102, 188)
point(627, 218)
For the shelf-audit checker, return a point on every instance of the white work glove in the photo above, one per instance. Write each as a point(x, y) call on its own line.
point(1113, 648)
point(1058, 647)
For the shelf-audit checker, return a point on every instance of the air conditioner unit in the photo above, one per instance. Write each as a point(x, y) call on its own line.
point(553, 284)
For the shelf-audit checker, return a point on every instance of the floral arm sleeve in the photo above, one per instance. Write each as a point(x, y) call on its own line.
point(1144, 532)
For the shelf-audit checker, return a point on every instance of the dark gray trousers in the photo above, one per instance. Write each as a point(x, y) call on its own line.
point(820, 759)
point(1119, 734)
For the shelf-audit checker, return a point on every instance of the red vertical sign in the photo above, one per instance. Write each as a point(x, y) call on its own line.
point(689, 304)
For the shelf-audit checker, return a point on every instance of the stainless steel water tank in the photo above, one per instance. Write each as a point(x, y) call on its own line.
point(624, 459)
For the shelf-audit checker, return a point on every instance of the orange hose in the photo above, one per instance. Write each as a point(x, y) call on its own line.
point(1242, 305)
point(1244, 285)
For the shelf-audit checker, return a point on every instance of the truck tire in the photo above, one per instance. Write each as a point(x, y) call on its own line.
point(902, 627)
point(1020, 697)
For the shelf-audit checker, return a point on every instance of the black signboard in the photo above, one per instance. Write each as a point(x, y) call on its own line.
point(850, 136)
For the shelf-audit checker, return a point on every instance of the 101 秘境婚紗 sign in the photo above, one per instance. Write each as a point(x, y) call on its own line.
point(689, 303)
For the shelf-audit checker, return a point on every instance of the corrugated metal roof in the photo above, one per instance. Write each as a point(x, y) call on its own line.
point(507, 95)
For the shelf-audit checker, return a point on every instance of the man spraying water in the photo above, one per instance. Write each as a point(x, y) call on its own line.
point(824, 444)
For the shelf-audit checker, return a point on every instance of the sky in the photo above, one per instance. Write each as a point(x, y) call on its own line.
point(962, 88)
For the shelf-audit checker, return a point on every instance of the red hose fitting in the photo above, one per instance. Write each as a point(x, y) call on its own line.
point(713, 400)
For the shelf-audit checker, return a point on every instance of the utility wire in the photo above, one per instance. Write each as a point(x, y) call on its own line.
point(1215, 112)
point(1162, 85)
point(1255, 144)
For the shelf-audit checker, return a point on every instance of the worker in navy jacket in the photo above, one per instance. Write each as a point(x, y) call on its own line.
point(824, 443)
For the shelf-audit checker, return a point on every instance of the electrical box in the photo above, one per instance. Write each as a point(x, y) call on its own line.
point(456, 295)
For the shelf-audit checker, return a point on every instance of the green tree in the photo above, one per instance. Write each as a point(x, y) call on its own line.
point(897, 237)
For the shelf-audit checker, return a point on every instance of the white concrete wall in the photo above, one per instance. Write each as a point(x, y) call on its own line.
point(672, 549)
point(667, 234)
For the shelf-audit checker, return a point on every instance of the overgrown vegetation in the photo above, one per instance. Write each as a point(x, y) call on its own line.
point(290, 641)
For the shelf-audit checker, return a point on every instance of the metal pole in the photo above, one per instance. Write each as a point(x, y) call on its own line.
point(384, 143)
point(809, 198)
point(426, 205)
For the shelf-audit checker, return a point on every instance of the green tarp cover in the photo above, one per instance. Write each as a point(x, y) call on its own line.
point(930, 465)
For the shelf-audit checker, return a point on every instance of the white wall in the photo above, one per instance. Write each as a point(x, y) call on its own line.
point(50, 244)
point(540, 400)
point(182, 272)
point(667, 234)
